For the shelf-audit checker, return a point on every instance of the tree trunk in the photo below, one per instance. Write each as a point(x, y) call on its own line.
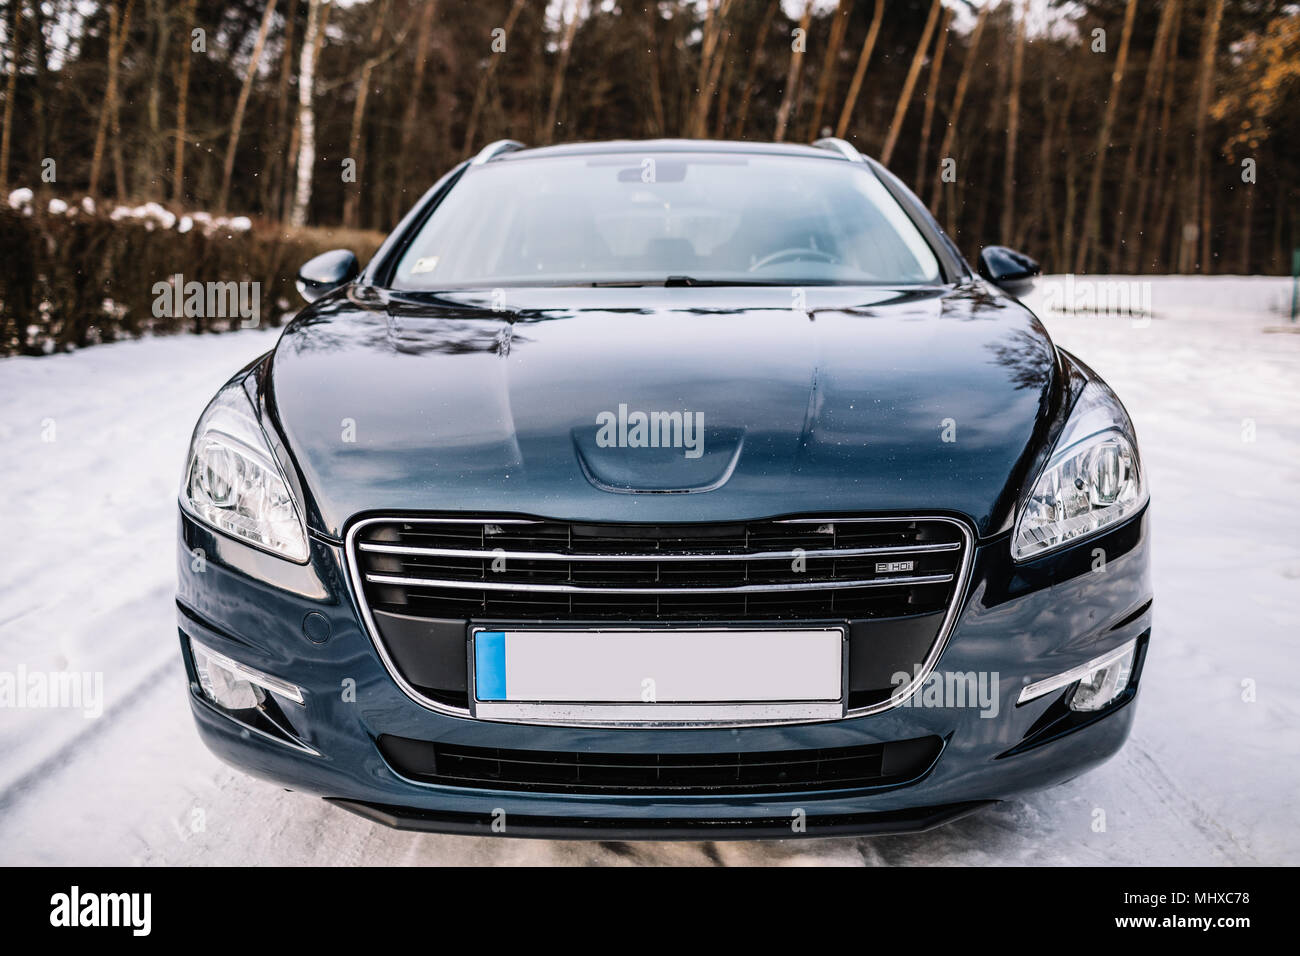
point(993, 121)
point(839, 26)
point(152, 174)
point(723, 85)
point(959, 99)
point(713, 26)
point(119, 22)
point(480, 95)
point(228, 169)
point(1092, 213)
point(11, 89)
point(1150, 89)
point(1247, 227)
point(909, 84)
point(1155, 151)
point(279, 167)
point(307, 114)
point(356, 144)
point(1009, 205)
point(1044, 221)
point(1197, 204)
point(715, 72)
point(422, 40)
point(656, 84)
point(792, 75)
point(42, 54)
point(860, 72)
point(557, 80)
point(182, 106)
point(931, 96)
point(755, 58)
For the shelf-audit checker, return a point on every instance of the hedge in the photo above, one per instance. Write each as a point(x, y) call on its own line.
point(71, 276)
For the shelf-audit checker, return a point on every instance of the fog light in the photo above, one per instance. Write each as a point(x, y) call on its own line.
point(232, 685)
point(1101, 680)
point(1104, 684)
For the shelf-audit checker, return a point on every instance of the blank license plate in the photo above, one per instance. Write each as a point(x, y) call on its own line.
point(658, 667)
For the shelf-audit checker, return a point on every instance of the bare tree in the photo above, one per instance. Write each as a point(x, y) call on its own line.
point(958, 100)
point(228, 168)
point(1010, 207)
point(557, 80)
point(423, 39)
point(864, 57)
point(716, 61)
point(307, 113)
point(1195, 203)
point(151, 173)
point(485, 78)
point(1150, 89)
point(11, 90)
point(280, 163)
point(931, 96)
point(713, 27)
point(655, 83)
point(755, 58)
point(792, 75)
point(119, 22)
point(1092, 212)
point(356, 145)
point(182, 106)
point(905, 97)
point(839, 26)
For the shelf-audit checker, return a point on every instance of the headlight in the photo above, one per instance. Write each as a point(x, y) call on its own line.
point(1092, 481)
point(232, 481)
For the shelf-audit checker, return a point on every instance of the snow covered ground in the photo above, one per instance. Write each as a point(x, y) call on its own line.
point(93, 446)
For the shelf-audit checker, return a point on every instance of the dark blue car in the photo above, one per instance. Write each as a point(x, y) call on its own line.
point(665, 490)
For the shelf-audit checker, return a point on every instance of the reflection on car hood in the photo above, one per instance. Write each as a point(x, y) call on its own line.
point(825, 400)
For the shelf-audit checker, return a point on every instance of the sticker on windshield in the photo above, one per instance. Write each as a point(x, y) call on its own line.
point(424, 264)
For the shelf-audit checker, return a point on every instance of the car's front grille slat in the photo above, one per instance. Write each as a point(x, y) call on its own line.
point(658, 556)
point(782, 586)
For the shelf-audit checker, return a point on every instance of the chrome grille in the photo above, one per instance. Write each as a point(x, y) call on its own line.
point(523, 569)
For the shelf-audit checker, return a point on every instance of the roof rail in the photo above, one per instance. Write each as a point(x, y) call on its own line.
point(493, 150)
point(844, 148)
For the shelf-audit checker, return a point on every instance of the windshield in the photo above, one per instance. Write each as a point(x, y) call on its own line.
point(680, 218)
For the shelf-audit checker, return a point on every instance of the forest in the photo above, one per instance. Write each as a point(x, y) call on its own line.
point(1100, 136)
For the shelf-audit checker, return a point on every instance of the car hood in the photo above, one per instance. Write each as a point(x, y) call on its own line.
point(817, 400)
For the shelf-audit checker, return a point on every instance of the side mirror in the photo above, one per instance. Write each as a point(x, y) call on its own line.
point(326, 272)
point(1013, 271)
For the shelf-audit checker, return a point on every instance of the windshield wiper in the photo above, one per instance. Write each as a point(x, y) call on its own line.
point(676, 281)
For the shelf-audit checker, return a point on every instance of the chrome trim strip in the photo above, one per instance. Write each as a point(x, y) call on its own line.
point(724, 589)
point(660, 556)
point(902, 694)
point(1039, 688)
point(493, 150)
point(844, 148)
point(658, 715)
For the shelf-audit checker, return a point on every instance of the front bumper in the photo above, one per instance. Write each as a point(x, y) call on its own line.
point(1021, 623)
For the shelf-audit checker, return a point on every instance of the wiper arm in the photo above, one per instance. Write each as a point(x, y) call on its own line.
point(675, 281)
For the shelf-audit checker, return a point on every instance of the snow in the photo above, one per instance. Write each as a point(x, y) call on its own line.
point(1207, 777)
point(151, 214)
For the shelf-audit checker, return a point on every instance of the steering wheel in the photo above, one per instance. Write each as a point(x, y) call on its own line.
point(794, 253)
